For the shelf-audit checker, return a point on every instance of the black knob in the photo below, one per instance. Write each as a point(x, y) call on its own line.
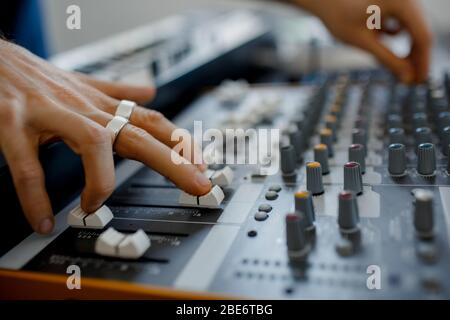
point(445, 137)
point(419, 120)
point(395, 121)
point(426, 159)
point(348, 214)
point(422, 135)
point(356, 153)
point(396, 135)
point(304, 205)
point(288, 160)
point(321, 156)
point(326, 138)
point(331, 123)
point(314, 182)
point(296, 140)
point(397, 159)
point(296, 239)
point(353, 177)
point(423, 213)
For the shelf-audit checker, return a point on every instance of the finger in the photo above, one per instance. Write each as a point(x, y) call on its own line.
point(412, 18)
point(94, 144)
point(140, 94)
point(162, 129)
point(28, 177)
point(135, 143)
point(401, 67)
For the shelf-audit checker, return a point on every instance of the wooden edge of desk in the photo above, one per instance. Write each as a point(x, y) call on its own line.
point(34, 285)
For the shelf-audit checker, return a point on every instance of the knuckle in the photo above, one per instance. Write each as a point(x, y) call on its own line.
point(9, 112)
point(152, 116)
point(138, 132)
point(96, 135)
point(27, 173)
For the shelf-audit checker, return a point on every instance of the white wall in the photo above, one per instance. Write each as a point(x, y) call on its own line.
point(101, 18)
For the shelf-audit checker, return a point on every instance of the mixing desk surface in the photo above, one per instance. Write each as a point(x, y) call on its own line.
point(336, 186)
point(359, 207)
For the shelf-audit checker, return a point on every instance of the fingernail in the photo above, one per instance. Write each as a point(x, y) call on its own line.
point(202, 180)
point(46, 226)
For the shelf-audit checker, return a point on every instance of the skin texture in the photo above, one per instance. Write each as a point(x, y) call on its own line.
point(346, 19)
point(40, 103)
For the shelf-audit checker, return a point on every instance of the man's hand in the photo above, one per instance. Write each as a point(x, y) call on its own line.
point(346, 19)
point(40, 103)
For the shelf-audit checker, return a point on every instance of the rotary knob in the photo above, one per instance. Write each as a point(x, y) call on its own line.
point(361, 123)
point(353, 178)
point(304, 205)
point(426, 159)
point(288, 160)
point(419, 120)
point(423, 213)
point(296, 140)
point(314, 182)
point(348, 214)
point(356, 153)
point(422, 135)
point(445, 137)
point(397, 159)
point(326, 138)
point(359, 136)
point(321, 156)
point(296, 239)
point(336, 111)
point(396, 135)
point(394, 121)
point(443, 119)
point(331, 123)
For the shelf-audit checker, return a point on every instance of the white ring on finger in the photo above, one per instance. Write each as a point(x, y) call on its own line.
point(125, 109)
point(116, 125)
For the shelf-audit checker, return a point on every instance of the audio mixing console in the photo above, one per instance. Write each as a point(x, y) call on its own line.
point(363, 191)
point(358, 205)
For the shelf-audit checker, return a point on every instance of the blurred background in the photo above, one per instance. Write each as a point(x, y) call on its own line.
point(101, 18)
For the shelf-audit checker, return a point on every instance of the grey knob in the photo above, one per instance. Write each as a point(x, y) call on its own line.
point(426, 159)
point(419, 120)
point(348, 214)
point(423, 213)
point(326, 138)
point(361, 123)
point(397, 159)
point(288, 160)
point(445, 137)
point(443, 119)
point(336, 111)
point(296, 139)
point(422, 135)
point(331, 123)
point(314, 178)
point(359, 136)
point(299, 121)
point(356, 153)
point(321, 156)
point(353, 178)
point(296, 240)
point(395, 121)
point(304, 205)
point(396, 135)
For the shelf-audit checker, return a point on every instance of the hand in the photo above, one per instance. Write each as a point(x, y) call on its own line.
point(40, 103)
point(346, 19)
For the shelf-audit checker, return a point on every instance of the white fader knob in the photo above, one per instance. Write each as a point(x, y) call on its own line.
point(222, 177)
point(212, 199)
point(77, 218)
point(107, 242)
point(134, 245)
point(113, 243)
